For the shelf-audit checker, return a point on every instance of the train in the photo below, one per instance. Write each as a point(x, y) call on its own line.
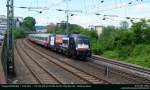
point(73, 45)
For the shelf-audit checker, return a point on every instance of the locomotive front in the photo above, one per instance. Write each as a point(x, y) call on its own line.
point(83, 47)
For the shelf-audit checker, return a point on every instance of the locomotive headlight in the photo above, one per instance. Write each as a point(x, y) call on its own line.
point(83, 46)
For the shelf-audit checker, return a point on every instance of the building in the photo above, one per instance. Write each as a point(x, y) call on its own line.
point(99, 30)
point(18, 21)
point(3, 23)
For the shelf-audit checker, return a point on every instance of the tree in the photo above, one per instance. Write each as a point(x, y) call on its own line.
point(146, 32)
point(51, 28)
point(124, 24)
point(29, 23)
point(107, 31)
point(61, 27)
point(19, 33)
point(137, 28)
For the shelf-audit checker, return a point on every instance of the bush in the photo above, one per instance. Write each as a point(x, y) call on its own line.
point(111, 54)
point(141, 49)
point(130, 45)
point(143, 60)
point(97, 51)
point(19, 33)
point(96, 47)
point(124, 51)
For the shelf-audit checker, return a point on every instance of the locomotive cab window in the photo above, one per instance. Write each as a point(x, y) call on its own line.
point(82, 41)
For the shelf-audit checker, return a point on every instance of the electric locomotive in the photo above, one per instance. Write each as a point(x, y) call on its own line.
point(79, 46)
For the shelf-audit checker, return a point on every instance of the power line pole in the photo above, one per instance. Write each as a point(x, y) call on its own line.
point(67, 24)
point(68, 12)
point(10, 37)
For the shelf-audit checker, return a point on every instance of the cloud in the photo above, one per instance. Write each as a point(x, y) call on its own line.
point(84, 21)
point(41, 21)
point(55, 2)
point(89, 20)
point(141, 10)
point(46, 21)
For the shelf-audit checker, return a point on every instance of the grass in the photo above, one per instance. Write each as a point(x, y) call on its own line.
point(140, 55)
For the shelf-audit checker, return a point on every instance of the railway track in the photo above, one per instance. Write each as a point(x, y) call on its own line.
point(136, 71)
point(89, 78)
point(28, 67)
point(40, 78)
point(120, 73)
point(125, 65)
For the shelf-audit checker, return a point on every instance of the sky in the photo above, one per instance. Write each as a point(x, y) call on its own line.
point(89, 8)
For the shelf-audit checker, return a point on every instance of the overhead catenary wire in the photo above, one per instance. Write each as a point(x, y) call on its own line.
point(85, 6)
point(96, 6)
point(125, 16)
point(123, 6)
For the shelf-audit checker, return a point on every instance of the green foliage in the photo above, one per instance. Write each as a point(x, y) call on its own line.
point(111, 54)
point(96, 47)
point(140, 60)
point(91, 33)
point(124, 52)
point(146, 34)
point(129, 45)
point(27, 25)
point(141, 31)
point(19, 33)
point(140, 55)
point(107, 37)
point(107, 32)
point(74, 28)
point(141, 49)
